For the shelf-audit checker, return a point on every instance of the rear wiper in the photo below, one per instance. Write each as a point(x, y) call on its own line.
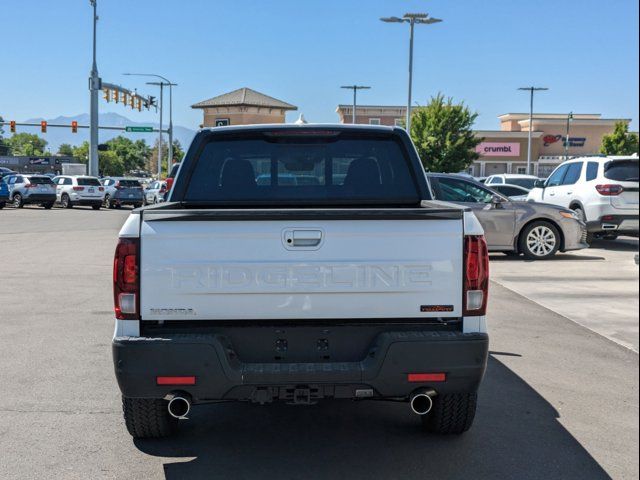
point(632, 179)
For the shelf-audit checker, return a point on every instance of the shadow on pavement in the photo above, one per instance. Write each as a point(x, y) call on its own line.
point(516, 435)
point(624, 244)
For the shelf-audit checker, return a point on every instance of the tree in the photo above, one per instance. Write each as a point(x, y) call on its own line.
point(132, 154)
point(26, 144)
point(152, 163)
point(81, 152)
point(110, 164)
point(442, 134)
point(65, 149)
point(620, 142)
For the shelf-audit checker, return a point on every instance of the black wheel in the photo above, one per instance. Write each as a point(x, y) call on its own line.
point(2, 204)
point(18, 202)
point(137, 205)
point(48, 206)
point(451, 414)
point(148, 417)
point(539, 241)
point(96, 207)
point(107, 201)
point(65, 201)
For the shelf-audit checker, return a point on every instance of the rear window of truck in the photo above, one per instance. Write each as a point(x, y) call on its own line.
point(622, 170)
point(333, 169)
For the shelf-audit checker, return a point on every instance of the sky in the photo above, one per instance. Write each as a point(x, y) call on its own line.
point(584, 51)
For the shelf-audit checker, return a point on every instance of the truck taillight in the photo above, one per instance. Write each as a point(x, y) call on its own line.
point(609, 190)
point(476, 275)
point(126, 279)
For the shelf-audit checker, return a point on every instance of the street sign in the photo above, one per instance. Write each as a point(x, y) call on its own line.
point(139, 129)
point(222, 122)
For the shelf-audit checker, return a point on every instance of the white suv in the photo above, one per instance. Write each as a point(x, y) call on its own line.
point(603, 191)
point(72, 190)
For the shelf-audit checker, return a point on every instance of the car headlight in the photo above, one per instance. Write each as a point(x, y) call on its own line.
point(570, 215)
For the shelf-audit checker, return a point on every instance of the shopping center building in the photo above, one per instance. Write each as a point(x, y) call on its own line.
point(505, 150)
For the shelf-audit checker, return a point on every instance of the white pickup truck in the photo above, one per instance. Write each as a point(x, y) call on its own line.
point(300, 263)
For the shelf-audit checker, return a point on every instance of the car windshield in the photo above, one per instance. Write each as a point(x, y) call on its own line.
point(40, 180)
point(522, 182)
point(622, 170)
point(332, 169)
point(89, 182)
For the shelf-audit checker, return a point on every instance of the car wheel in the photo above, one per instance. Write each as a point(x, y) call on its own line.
point(107, 201)
point(18, 202)
point(96, 207)
point(65, 201)
point(155, 199)
point(539, 241)
point(48, 206)
point(2, 205)
point(148, 417)
point(451, 413)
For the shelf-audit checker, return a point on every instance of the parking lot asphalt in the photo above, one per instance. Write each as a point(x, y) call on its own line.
point(558, 400)
point(596, 287)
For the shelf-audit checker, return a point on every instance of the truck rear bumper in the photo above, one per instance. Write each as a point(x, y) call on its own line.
point(221, 375)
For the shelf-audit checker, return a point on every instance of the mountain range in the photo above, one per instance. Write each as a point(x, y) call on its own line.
point(57, 136)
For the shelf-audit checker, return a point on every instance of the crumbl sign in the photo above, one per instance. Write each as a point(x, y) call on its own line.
point(498, 149)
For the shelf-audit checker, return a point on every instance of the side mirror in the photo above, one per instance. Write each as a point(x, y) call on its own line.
point(497, 201)
point(540, 183)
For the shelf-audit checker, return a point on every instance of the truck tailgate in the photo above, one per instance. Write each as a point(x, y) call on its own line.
point(199, 269)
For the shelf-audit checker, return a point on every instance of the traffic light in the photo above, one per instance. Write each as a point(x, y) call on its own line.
point(139, 104)
point(131, 100)
point(116, 96)
point(125, 98)
point(152, 101)
point(74, 127)
point(43, 126)
point(107, 94)
point(12, 126)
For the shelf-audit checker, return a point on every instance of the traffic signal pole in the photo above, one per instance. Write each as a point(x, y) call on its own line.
point(94, 87)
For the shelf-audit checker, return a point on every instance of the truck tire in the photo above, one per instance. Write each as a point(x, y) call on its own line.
point(148, 417)
point(17, 201)
point(539, 241)
point(452, 413)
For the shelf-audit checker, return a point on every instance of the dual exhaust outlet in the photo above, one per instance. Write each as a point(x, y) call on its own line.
point(420, 401)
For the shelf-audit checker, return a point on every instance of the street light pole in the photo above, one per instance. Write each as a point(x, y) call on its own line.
point(94, 88)
point(163, 83)
point(531, 90)
point(567, 139)
point(411, 19)
point(355, 88)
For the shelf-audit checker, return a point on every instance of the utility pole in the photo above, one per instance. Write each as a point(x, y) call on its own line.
point(567, 138)
point(355, 89)
point(411, 19)
point(532, 90)
point(94, 88)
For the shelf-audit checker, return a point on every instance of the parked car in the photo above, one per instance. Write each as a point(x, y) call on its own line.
point(603, 191)
point(4, 171)
point(155, 192)
point(4, 193)
point(26, 188)
point(355, 287)
point(535, 230)
point(171, 177)
point(122, 191)
point(72, 190)
point(526, 181)
point(514, 192)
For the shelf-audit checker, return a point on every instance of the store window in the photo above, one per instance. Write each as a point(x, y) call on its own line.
point(374, 121)
point(399, 122)
point(521, 170)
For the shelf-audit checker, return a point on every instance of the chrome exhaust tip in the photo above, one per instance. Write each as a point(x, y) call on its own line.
point(421, 401)
point(179, 406)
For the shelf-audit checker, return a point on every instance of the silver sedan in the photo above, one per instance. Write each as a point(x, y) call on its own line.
point(535, 230)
